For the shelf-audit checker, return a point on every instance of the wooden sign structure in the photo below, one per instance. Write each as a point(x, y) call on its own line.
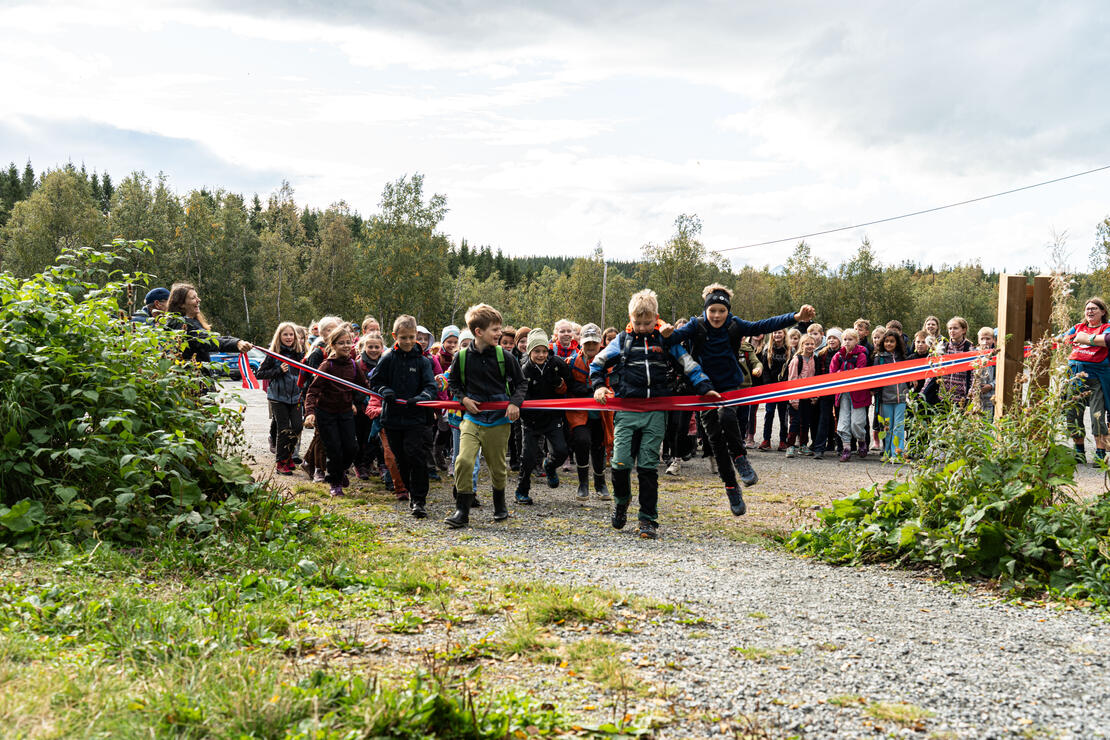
point(1024, 315)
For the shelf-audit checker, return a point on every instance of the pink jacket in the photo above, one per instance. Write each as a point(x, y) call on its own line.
point(841, 362)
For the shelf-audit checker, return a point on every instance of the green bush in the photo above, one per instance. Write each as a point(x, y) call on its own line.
point(983, 499)
point(105, 434)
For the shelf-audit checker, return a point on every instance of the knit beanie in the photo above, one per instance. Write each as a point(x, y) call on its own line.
point(536, 338)
point(448, 331)
point(464, 335)
point(834, 332)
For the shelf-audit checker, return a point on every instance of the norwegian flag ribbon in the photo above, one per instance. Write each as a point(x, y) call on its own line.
point(247, 373)
point(866, 378)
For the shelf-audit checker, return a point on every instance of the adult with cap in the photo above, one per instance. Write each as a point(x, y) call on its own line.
point(153, 305)
point(714, 339)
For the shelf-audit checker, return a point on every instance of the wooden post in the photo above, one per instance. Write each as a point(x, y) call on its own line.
point(1040, 325)
point(1011, 341)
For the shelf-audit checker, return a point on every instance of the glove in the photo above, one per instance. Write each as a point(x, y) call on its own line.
point(388, 396)
point(413, 403)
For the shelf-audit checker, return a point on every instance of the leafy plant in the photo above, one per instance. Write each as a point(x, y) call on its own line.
point(107, 435)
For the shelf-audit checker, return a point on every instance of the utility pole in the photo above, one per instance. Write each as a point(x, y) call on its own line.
point(604, 281)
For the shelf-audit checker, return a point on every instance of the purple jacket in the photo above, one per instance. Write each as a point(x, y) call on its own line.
point(842, 362)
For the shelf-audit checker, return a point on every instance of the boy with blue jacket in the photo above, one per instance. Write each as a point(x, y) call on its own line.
point(642, 367)
point(715, 340)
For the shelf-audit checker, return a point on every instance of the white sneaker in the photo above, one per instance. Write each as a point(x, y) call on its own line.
point(675, 467)
point(791, 451)
point(713, 465)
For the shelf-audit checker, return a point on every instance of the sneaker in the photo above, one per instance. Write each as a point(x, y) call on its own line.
point(674, 468)
point(318, 476)
point(524, 499)
point(749, 441)
point(782, 446)
point(736, 501)
point(746, 471)
point(284, 467)
point(336, 491)
point(846, 455)
point(765, 445)
point(418, 511)
point(648, 530)
point(401, 495)
point(273, 446)
point(551, 472)
point(362, 473)
point(713, 465)
point(805, 451)
point(433, 474)
point(297, 460)
point(791, 451)
point(819, 455)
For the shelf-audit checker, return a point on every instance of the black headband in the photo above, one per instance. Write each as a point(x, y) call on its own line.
point(718, 297)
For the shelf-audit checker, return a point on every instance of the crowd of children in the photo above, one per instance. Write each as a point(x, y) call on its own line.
point(491, 370)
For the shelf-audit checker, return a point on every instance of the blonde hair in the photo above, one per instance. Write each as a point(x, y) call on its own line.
point(716, 288)
point(960, 321)
point(813, 328)
point(793, 333)
point(366, 324)
point(338, 333)
point(328, 321)
point(643, 304)
point(298, 340)
point(368, 337)
point(562, 322)
point(849, 333)
point(481, 316)
point(404, 321)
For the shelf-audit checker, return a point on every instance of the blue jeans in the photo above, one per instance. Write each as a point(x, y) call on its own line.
point(894, 441)
point(455, 455)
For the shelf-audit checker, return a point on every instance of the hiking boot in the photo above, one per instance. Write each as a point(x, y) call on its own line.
point(284, 467)
point(318, 476)
point(583, 493)
point(783, 446)
point(622, 494)
point(461, 517)
point(765, 445)
point(551, 472)
point(792, 451)
point(336, 491)
point(744, 468)
point(500, 511)
point(523, 498)
point(648, 530)
point(736, 501)
point(600, 488)
point(846, 455)
point(417, 510)
point(674, 468)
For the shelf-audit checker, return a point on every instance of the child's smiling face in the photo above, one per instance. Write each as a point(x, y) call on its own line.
point(406, 339)
point(716, 315)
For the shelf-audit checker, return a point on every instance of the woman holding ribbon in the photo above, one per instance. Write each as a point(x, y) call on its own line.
point(1089, 366)
point(184, 309)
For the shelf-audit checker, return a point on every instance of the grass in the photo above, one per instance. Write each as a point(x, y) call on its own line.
point(847, 700)
point(599, 660)
point(900, 712)
point(756, 653)
point(546, 603)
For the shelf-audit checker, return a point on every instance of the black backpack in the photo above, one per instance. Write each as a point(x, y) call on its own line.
point(735, 337)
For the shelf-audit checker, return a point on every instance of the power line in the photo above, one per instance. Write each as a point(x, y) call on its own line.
point(915, 213)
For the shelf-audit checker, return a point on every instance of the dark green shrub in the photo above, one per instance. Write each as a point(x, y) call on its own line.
point(104, 434)
point(982, 499)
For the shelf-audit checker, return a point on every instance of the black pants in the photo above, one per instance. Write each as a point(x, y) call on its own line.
point(803, 422)
point(411, 451)
point(588, 442)
point(826, 437)
point(287, 417)
point(516, 439)
point(534, 433)
point(370, 454)
point(724, 432)
point(338, 434)
point(769, 419)
point(676, 437)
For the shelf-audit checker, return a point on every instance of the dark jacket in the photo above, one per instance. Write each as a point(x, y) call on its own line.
point(483, 381)
point(330, 396)
point(774, 363)
point(408, 376)
point(200, 343)
point(642, 367)
point(542, 382)
point(143, 316)
point(716, 356)
point(283, 385)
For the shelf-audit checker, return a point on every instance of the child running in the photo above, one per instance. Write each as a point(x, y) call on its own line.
point(283, 394)
point(641, 368)
point(332, 405)
point(404, 378)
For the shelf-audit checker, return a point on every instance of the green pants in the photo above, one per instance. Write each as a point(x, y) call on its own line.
point(494, 443)
point(625, 425)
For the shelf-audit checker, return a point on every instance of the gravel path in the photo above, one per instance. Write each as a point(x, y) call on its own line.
point(811, 632)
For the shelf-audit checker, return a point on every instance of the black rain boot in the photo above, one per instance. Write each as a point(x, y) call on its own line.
point(500, 511)
point(416, 506)
point(583, 483)
point(600, 488)
point(552, 473)
point(622, 494)
point(461, 517)
point(648, 479)
point(474, 502)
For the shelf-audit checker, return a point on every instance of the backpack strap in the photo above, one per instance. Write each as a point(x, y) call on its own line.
point(501, 367)
point(735, 338)
point(462, 368)
point(702, 333)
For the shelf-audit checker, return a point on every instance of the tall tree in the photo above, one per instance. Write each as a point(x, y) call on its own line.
point(58, 215)
point(679, 269)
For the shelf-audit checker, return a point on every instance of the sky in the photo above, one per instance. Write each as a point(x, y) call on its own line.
point(552, 127)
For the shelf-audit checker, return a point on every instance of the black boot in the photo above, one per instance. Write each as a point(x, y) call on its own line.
point(416, 506)
point(474, 502)
point(746, 471)
point(583, 483)
point(736, 501)
point(523, 488)
point(600, 488)
point(552, 473)
point(461, 517)
point(622, 493)
point(499, 510)
point(648, 479)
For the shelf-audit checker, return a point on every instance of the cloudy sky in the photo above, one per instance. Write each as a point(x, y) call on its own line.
point(554, 126)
